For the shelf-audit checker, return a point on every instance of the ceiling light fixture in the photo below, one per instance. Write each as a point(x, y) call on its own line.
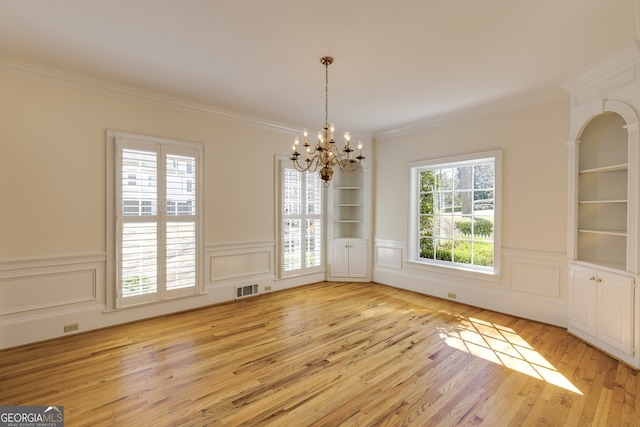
point(326, 154)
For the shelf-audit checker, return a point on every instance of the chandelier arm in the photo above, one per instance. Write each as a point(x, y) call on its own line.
point(311, 164)
point(316, 149)
point(298, 167)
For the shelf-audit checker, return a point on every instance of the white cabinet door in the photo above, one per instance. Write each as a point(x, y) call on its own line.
point(339, 259)
point(583, 301)
point(615, 311)
point(358, 258)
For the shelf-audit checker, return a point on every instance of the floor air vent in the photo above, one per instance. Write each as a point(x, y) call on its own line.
point(245, 291)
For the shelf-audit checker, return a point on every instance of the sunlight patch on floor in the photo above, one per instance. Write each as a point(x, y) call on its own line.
point(503, 346)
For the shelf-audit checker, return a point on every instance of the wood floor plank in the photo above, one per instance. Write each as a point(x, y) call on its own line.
point(327, 354)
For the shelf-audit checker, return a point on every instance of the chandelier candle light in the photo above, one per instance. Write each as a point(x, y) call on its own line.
point(326, 154)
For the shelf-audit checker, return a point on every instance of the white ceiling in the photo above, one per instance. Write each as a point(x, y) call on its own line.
point(396, 62)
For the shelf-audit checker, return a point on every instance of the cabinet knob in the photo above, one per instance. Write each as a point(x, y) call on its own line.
point(598, 280)
point(592, 278)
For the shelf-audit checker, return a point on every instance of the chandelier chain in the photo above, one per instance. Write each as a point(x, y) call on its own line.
point(326, 94)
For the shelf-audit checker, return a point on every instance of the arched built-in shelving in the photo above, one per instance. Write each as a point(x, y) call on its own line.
point(603, 245)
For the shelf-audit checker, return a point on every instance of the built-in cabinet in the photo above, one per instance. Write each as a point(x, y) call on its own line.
point(602, 246)
point(349, 226)
point(349, 259)
point(602, 309)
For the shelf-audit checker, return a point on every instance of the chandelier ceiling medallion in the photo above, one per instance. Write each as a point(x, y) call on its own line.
point(326, 154)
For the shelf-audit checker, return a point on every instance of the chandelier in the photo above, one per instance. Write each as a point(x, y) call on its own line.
point(326, 154)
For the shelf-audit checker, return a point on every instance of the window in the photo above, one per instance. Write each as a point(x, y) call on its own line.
point(155, 204)
point(455, 212)
point(300, 217)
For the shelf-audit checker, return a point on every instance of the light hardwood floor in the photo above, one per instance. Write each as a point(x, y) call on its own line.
point(328, 354)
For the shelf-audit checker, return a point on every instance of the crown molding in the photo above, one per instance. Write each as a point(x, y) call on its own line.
point(24, 69)
point(601, 73)
point(616, 69)
point(477, 110)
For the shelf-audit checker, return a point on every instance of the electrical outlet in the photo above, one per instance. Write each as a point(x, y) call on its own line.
point(452, 295)
point(71, 327)
point(267, 288)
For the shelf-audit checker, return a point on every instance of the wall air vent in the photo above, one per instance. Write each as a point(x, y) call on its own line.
point(245, 291)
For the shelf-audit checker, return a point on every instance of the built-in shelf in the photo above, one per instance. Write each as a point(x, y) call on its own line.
point(348, 205)
point(612, 168)
point(608, 265)
point(603, 201)
point(589, 263)
point(621, 233)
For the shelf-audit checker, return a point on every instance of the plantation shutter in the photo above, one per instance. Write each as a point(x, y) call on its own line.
point(292, 219)
point(301, 226)
point(138, 243)
point(313, 230)
point(157, 224)
point(181, 222)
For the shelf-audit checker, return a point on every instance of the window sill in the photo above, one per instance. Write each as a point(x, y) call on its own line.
point(468, 273)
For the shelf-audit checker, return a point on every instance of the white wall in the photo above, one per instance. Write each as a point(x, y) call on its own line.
point(533, 283)
point(53, 191)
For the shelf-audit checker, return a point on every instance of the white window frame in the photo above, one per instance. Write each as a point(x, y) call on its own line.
point(116, 140)
point(451, 267)
point(283, 163)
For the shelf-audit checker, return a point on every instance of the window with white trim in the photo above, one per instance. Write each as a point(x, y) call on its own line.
point(155, 204)
point(300, 216)
point(455, 212)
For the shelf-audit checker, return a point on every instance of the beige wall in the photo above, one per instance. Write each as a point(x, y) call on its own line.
point(52, 168)
point(534, 172)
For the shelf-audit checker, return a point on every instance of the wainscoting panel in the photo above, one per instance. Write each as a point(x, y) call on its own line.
point(535, 278)
point(532, 284)
point(46, 290)
point(47, 284)
point(389, 254)
point(240, 261)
